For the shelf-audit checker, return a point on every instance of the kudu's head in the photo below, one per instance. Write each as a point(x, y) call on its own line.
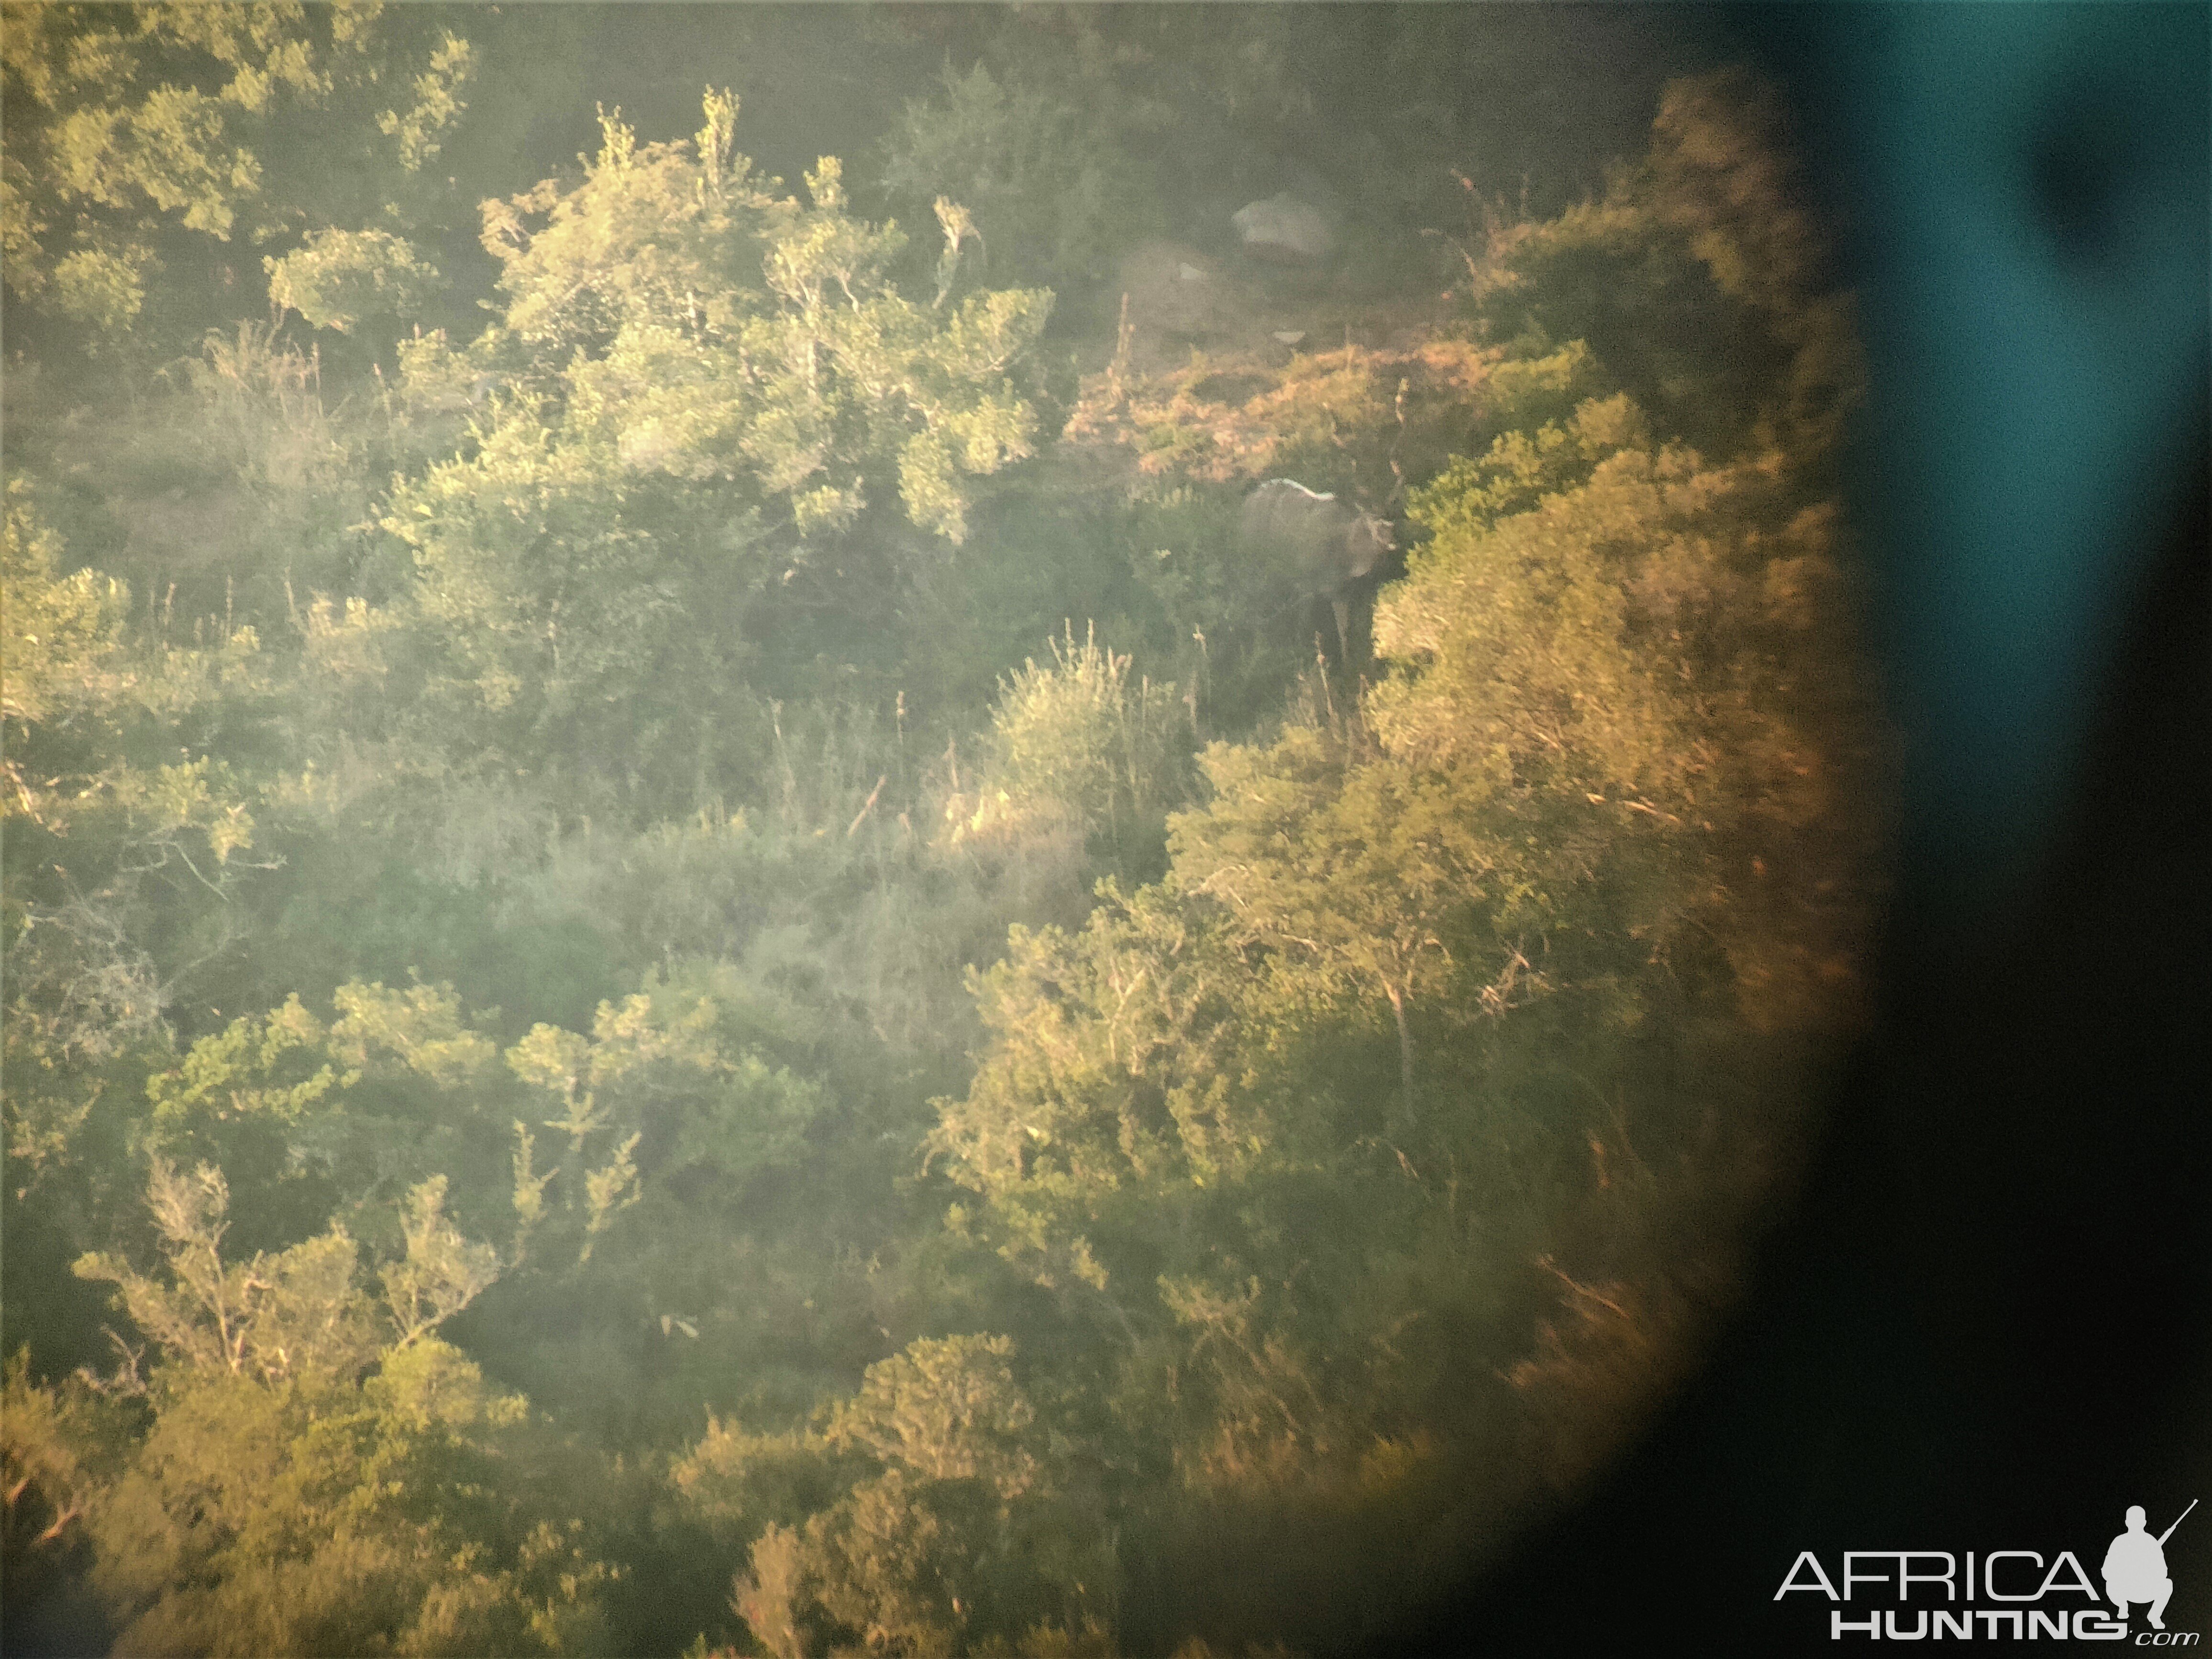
point(1368, 541)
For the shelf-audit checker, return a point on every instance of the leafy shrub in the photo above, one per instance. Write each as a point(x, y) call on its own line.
point(1051, 192)
point(342, 277)
point(1077, 742)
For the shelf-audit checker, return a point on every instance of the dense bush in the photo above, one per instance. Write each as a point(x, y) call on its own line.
point(710, 964)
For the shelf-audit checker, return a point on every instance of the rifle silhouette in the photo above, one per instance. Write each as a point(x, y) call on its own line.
point(2178, 1520)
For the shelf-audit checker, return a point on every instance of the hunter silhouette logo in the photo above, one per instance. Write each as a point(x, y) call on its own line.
point(2135, 1566)
point(1998, 1595)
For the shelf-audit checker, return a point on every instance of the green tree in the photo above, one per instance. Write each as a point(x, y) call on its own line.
point(1652, 667)
point(732, 331)
point(945, 1529)
point(341, 277)
point(126, 849)
point(1050, 183)
point(1699, 279)
point(1358, 872)
point(145, 140)
point(309, 1470)
point(699, 387)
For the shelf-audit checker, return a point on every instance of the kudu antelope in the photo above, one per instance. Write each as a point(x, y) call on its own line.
point(1321, 544)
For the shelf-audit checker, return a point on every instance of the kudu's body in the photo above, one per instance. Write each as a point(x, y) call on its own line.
point(1321, 544)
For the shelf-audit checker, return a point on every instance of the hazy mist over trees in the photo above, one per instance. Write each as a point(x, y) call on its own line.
point(697, 962)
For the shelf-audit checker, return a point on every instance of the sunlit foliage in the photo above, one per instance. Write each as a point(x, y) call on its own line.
point(694, 956)
point(127, 125)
